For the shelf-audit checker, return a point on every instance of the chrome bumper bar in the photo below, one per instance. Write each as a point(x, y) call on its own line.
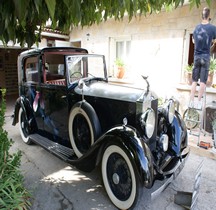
point(178, 168)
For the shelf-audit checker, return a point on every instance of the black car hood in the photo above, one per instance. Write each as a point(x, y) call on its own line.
point(111, 91)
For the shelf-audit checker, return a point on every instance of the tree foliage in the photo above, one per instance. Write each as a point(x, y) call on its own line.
point(23, 20)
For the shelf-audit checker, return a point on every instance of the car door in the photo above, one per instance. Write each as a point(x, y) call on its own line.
point(54, 97)
point(31, 85)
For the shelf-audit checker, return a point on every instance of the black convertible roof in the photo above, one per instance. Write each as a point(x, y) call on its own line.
point(52, 49)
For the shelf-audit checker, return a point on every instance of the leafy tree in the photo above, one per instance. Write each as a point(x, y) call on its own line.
point(23, 20)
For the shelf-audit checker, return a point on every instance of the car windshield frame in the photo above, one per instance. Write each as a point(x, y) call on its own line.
point(92, 66)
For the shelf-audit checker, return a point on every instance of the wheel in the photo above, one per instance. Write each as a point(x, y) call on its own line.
point(191, 114)
point(84, 127)
point(24, 127)
point(119, 177)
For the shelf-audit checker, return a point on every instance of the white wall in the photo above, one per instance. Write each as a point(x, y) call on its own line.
point(159, 43)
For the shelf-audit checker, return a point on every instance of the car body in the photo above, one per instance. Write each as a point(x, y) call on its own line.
point(68, 106)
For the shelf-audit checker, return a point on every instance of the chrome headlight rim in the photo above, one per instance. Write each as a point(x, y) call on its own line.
point(147, 121)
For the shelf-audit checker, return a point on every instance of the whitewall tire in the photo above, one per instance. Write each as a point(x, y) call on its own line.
point(84, 128)
point(23, 127)
point(119, 177)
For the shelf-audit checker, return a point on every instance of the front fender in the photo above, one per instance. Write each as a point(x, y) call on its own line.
point(178, 133)
point(137, 149)
point(127, 138)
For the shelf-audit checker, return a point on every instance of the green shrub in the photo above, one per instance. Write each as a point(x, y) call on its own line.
point(13, 194)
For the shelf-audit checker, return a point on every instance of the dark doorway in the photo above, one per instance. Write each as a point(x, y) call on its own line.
point(8, 70)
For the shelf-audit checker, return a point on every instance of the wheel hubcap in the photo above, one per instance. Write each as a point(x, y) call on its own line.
point(115, 178)
point(22, 125)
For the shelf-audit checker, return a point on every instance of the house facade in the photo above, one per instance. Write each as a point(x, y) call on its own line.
point(9, 54)
point(158, 46)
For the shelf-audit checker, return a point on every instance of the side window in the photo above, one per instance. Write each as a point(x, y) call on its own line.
point(186, 76)
point(123, 49)
point(31, 69)
point(213, 51)
point(93, 66)
point(120, 49)
point(54, 71)
point(191, 51)
point(75, 66)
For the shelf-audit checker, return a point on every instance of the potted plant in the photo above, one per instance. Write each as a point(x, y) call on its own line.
point(120, 68)
point(212, 68)
point(188, 73)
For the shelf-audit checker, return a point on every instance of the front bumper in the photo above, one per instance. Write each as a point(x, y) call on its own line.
point(175, 172)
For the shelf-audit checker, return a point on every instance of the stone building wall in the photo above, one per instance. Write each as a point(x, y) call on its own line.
point(8, 70)
point(160, 44)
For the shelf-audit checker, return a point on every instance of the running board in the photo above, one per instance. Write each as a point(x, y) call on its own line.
point(59, 150)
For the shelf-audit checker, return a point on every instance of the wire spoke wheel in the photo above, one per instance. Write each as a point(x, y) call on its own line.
point(119, 177)
point(84, 128)
point(82, 133)
point(191, 116)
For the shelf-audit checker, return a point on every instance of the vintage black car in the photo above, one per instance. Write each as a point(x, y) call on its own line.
point(68, 106)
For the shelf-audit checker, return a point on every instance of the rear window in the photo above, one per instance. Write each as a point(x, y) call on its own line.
point(31, 69)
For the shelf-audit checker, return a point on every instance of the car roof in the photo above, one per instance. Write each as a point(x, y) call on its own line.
point(52, 49)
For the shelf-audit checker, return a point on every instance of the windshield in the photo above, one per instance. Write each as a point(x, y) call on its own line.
point(80, 66)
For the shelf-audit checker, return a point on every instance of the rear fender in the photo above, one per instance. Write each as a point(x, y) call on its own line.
point(23, 102)
point(136, 148)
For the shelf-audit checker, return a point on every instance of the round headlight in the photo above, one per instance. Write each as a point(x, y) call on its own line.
point(171, 111)
point(147, 121)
